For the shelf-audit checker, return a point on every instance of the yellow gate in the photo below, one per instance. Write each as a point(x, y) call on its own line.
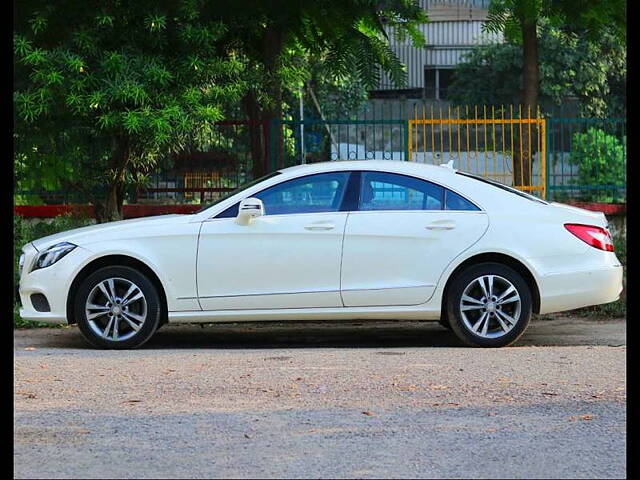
point(501, 143)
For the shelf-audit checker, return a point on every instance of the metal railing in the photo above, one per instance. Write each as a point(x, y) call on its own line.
point(558, 157)
point(587, 159)
point(504, 143)
point(294, 142)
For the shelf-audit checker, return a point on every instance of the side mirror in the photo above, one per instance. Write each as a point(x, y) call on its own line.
point(249, 209)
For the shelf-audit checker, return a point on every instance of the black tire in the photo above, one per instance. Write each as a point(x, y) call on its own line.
point(465, 332)
point(150, 295)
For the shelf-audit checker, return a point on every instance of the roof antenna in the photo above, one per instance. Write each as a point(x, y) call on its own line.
point(449, 164)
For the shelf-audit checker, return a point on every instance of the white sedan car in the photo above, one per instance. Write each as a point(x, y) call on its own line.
point(336, 240)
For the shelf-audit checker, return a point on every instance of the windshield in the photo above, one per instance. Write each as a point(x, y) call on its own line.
point(504, 187)
point(238, 190)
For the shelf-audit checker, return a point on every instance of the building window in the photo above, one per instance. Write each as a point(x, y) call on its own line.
point(437, 82)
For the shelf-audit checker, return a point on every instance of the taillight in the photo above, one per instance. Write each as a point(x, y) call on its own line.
point(597, 237)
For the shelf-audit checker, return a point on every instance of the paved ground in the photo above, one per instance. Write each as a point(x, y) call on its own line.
point(323, 400)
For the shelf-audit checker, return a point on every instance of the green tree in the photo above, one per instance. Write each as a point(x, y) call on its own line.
point(278, 37)
point(106, 88)
point(519, 21)
point(571, 65)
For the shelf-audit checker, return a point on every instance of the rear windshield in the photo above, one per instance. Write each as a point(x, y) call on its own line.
point(504, 187)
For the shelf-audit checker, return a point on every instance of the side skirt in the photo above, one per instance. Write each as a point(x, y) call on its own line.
point(353, 313)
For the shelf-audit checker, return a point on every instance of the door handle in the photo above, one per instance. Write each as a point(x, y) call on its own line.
point(441, 226)
point(320, 226)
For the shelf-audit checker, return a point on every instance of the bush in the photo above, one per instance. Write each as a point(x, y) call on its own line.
point(25, 231)
point(601, 160)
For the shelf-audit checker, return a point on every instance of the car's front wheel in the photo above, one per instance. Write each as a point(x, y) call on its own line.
point(117, 307)
point(489, 305)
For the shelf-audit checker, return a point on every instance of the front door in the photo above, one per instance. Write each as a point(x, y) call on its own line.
point(404, 234)
point(288, 258)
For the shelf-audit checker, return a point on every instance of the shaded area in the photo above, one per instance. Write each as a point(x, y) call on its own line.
point(561, 331)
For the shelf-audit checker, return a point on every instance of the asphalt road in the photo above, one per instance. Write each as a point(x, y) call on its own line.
point(314, 400)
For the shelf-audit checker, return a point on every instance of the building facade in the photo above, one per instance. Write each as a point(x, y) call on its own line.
point(454, 29)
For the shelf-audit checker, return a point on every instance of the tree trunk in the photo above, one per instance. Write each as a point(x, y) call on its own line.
point(261, 117)
point(110, 209)
point(272, 50)
point(256, 135)
point(523, 158)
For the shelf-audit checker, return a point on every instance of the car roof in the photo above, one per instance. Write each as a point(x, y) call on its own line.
point(381, 165)
point(481, 193)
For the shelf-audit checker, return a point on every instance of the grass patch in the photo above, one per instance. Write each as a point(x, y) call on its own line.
point(25, 231)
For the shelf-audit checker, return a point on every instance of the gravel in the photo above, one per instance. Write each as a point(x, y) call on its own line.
point(318, 400)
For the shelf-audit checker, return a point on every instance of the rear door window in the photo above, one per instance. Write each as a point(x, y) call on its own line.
point(390, 191)
point(453, 201)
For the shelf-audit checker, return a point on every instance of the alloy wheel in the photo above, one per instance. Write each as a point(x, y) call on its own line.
point(490, 306)
point(116, 309)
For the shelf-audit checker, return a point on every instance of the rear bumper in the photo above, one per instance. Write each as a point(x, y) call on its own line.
point(568, 290)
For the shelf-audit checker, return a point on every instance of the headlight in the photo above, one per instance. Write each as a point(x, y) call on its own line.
point(52, 254)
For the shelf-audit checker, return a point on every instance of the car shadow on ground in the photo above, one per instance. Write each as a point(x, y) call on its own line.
point(304, 335)
point(336, 334)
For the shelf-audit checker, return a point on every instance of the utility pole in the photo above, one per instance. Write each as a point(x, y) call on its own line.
point(302, 155)
point(333, 140)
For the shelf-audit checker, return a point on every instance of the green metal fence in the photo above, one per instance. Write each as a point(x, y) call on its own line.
point(587, 159)
point(295, 142)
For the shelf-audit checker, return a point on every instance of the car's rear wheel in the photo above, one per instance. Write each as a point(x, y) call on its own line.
point(489, 305)
point(117, 307)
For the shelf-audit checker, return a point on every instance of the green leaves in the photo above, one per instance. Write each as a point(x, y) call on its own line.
point(116, 86)
point(129, 92)
point(132, 122)
point(53, 78)
point(35, 57)
point(158, 75)
point(155, 23)
point(73, 62)
point(112, 62)
point(570, 65)
point(104, 20)
point(75, 102)
point(113, 86)
point(21, 46)
point(601, 160)
point(97, 100)
point(108, 121)
point(27, 106)
point(38, 23)
point(209, 113)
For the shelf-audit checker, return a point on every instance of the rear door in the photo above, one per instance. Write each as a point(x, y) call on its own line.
point(404, 234)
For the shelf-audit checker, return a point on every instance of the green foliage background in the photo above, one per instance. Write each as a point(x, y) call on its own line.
point(104, 89)
point(601, 160)
point(571, 66)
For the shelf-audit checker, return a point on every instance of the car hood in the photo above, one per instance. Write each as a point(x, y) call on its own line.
point(92, 233)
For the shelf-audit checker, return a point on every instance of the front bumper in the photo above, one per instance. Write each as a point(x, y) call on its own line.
point(53, 282)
